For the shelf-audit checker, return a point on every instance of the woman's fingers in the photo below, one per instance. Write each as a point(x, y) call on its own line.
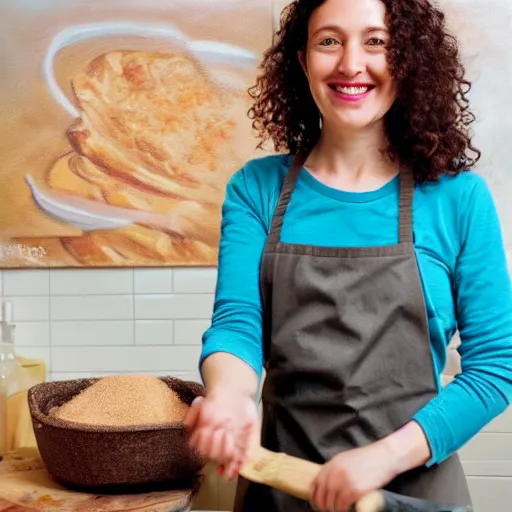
point(241, 447)
point(220, 428)
point(228, 448)
point(200, 440)
point(218, 443)
point(232, 469)
point(192, 416)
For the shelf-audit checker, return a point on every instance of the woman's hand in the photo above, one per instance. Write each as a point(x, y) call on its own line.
point(221, 426)
point(349, 476)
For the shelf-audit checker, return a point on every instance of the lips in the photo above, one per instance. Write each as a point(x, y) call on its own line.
point(352, 89)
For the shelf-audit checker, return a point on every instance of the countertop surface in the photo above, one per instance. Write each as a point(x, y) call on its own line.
point(24, 482)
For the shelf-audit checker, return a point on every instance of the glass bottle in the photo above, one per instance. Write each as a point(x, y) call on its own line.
point(15, 381)
point(8, 387)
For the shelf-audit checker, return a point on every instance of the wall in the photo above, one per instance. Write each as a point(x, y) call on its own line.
point(92, 322)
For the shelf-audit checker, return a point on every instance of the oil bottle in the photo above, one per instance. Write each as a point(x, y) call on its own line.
point(15, 382)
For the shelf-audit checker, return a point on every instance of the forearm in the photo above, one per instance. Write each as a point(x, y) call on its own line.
point(227, 371)
point(408, 447)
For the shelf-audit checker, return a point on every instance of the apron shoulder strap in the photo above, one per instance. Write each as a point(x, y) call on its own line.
point(405, 207)
point(285, 196)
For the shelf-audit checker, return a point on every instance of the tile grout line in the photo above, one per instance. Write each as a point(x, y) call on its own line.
point(124, 346)
point(173, 286)
point(133, 307)
point(112, 294)
point(85, 320)
point(49, 371)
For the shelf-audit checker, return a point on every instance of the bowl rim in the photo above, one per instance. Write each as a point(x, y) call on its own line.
point(38, 416)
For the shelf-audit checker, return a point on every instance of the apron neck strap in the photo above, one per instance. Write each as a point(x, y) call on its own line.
point(405, 205)
point(405, 212)
point(289, 183)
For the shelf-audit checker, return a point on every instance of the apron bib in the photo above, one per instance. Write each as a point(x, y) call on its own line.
point(347, 354)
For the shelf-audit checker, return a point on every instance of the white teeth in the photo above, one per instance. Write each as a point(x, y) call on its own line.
point(352, 90)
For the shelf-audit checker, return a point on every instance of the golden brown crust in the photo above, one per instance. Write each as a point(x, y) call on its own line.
point(155, 119)
point(154, 135)
point(140, 245)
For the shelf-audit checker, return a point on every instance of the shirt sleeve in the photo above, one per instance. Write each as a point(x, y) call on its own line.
point(236, 326)
point(483, 299)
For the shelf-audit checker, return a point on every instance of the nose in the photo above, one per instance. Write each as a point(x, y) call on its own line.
point(351, 61)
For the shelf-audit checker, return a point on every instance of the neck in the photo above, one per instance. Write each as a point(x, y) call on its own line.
point(351, 157)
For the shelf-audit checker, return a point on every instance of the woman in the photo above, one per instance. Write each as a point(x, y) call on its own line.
point(347, 265)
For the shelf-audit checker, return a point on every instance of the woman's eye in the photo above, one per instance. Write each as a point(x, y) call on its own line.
point(328, 41)
point(375, 41)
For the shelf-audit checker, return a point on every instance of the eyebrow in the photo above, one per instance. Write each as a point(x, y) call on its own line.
point(337, 28)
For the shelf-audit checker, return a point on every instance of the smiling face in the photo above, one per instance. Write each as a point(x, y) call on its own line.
point(345, 63)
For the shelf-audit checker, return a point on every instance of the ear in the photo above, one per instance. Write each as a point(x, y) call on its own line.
point(301, 54)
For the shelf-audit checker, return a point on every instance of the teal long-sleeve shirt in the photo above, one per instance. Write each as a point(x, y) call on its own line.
point(462, 265)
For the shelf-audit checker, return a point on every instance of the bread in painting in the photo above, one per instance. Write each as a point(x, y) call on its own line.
point(154, 134)
point(74, 174)
point(155, 120)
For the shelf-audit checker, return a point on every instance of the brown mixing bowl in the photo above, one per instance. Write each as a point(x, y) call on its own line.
point(116, 459)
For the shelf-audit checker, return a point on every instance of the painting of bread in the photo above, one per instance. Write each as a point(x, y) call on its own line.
point(154, 135)
point(154, 120)
point(120, 134)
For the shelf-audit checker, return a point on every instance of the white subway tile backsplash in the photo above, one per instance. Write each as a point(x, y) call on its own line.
point(195, 280)
point(26, 282)
point(489, 447)
point(29, 309)
point(153, 280)
point(32, 334)
point(125, 359)
point(153, 332)
point(189, 332)
point(92, 333)
point(90, 322)
point(54, 376)
point(91, 281)
point(193, 376)
point(92, 307)
point(163, 307)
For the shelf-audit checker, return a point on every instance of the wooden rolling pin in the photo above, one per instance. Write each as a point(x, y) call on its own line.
point(295, 476)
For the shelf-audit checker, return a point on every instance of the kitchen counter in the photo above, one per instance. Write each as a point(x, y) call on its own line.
point(25, 483)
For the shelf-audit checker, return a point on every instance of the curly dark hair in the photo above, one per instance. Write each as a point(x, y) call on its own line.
point(428, 125)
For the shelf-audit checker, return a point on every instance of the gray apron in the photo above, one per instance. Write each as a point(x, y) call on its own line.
point(347, 354)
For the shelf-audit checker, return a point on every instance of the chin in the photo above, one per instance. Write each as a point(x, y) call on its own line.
point(358, 122)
